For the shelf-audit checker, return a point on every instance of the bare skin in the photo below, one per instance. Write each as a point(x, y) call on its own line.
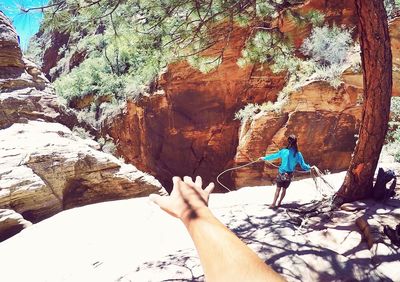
point(282, 195)
point(223, 255)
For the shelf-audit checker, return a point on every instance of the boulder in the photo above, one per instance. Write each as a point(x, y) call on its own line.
point(11, 223)
point(45, 168)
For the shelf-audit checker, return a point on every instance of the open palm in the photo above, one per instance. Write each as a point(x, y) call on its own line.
point(186, 199)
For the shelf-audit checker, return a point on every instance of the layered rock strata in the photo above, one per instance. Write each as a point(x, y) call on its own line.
point(325, 121)
point(44, 167)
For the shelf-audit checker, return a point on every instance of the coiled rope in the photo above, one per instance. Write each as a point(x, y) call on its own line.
point(233, 168)
point(250, 163)
point(326, 194)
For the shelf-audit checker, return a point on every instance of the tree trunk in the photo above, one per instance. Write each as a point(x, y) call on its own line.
point(376, 58)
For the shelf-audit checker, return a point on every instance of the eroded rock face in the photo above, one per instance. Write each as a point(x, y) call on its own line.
point(11, 55)
point(324, 119)
point(44, 167)
point(190, 130)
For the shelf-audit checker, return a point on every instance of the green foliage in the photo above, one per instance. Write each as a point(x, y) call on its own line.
point(265, 47)
point(328, 45)
point(392, 7)
point(127, 44)
point(265, 9)
point(393, 135)
point(205, 64)
point(315, 17)
point(331, 51)
point(250, 111)
point(93, 76)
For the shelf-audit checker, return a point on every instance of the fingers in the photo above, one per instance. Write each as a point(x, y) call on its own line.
point(187, 188)
point(188, 180)
point(199, 181)
point(175, 181)
point(198, 184)
point(210, 187)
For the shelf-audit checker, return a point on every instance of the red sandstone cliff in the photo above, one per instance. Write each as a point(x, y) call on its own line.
point(191, 129)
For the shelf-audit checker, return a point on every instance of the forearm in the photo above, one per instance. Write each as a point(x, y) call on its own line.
point(272, 157)
point(223, 255)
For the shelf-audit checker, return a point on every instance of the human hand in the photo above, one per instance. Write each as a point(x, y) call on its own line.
point(187, 198)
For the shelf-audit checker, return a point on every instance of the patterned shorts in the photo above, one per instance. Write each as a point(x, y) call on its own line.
point(283, 180)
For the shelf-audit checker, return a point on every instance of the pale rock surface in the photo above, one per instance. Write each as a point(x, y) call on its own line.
point(44, 167)
point(133, 240)
point(11, 223)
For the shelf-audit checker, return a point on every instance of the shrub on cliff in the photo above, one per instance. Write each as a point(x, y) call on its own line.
point(328, 45)
point(137, 39)
point(329, 50)
point(393, 134)
point(392, 7)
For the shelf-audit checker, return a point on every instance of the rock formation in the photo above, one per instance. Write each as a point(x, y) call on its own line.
point(325, 121)
point(11, 223)
point(44, 167)
point(191, 129)
point(188, 126)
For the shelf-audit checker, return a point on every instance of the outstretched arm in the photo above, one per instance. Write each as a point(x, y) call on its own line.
point(271, 157)
point(223, 255)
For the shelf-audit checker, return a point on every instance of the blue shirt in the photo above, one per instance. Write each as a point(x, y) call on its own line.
point(288, 160)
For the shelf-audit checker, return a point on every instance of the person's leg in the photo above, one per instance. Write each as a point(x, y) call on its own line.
point(282, 196)
point(278, 190)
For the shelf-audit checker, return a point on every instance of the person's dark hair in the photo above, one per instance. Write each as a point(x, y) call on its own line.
point(292, 143)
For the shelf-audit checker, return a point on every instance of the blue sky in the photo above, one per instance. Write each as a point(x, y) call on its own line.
point(26, 24)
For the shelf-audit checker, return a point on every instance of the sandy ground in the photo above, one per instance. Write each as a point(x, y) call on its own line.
point(132, 240)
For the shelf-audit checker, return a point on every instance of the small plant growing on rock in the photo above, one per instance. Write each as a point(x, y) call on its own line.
point(392, 141)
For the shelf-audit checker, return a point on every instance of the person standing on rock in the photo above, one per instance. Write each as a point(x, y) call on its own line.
point(290, 157)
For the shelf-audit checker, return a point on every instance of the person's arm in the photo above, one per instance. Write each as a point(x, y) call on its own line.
point(301, 162)
point(271, 157)
point(223, 255)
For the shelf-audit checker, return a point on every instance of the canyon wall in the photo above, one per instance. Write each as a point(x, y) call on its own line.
point(324, 119)
point(189, 128)
point(44, 166)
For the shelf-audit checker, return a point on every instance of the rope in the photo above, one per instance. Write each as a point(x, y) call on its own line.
point(250, 163)
point(315, 173)
point(233, 168)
